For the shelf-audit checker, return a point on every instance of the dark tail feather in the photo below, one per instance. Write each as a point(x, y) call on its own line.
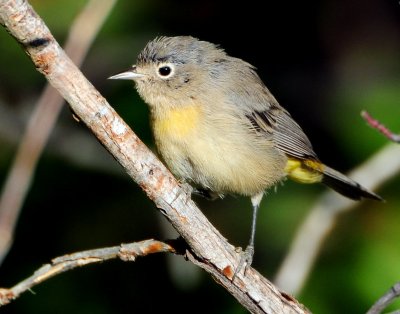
point(346, 186)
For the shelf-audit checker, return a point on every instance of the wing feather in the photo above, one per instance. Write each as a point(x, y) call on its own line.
point(284, 131)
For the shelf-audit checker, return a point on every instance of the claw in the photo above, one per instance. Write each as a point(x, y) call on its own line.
point(207, 194)
point(246, 260)
point(185, 188)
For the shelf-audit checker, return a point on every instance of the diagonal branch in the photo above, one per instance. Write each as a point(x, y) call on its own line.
point(380, 127)
point(386, 300)
point(209, 248)
point(125, 252)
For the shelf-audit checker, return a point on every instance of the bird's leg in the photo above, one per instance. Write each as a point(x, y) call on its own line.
point(247, 255)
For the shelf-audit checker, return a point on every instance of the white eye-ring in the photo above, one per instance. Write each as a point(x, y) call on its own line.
point(165, 70)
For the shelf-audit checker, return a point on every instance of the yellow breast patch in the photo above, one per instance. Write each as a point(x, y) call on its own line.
point(177, 122)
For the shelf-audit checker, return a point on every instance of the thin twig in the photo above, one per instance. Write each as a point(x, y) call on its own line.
point(308, 241)
point(380, 127)
point(207, 245)
point(42, 122)
point(385, 300)
point(125, 252)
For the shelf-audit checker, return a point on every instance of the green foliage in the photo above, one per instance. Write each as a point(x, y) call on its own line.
point(380, 99)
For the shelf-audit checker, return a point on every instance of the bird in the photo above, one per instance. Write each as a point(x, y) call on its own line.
point(219, 128)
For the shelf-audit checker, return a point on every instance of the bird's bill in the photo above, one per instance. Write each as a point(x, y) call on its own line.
point(128, 75)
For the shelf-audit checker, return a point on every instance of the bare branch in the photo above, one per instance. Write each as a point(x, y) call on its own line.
point(318, 224)
point(125, 252)
point(42, 122)
point(385, 300)
point(380, 127)
point(208, 247)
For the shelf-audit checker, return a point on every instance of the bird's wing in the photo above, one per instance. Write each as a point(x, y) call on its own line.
point(285, 132)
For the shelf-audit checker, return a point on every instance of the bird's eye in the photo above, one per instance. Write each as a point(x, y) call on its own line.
point(165, 70)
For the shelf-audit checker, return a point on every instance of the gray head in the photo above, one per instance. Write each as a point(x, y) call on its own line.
point(172, 71)
point(177, 50)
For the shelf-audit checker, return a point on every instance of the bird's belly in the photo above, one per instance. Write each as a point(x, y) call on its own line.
point(218, 160)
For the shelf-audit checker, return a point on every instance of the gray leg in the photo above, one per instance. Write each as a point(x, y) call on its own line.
point(248, 253)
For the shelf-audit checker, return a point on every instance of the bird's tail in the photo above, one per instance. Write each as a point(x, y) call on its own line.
point(312, 171)
point(346, 186)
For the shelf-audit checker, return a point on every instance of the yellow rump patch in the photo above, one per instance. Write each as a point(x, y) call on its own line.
point(304, 171)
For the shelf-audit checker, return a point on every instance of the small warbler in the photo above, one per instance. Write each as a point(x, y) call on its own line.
point(217, 125)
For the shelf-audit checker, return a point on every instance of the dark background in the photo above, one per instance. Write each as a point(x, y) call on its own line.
point(325, 61)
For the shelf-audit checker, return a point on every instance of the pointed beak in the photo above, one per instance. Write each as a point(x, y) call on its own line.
point(128, 75)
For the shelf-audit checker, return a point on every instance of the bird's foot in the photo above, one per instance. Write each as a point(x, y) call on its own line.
point(184, 189)
point(206, 193)
point(246, 258)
